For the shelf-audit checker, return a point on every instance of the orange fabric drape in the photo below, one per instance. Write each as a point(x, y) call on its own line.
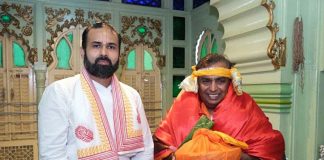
point(213, 145)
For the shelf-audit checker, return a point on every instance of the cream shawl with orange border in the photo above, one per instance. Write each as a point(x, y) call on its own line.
point(94, 139)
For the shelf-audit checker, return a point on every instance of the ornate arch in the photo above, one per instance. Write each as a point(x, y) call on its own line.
point(60, 19)
point(12, 17)
point(142, 30)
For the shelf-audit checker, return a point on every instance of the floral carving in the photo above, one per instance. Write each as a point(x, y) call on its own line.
point(60, 19)
point(277, 47)
point(152, 37)
point(18, 16)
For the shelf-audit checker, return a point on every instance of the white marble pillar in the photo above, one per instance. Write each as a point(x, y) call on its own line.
point(40, 69)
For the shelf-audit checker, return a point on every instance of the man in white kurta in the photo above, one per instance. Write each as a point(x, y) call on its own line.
point(93, 116)
point(69, 125)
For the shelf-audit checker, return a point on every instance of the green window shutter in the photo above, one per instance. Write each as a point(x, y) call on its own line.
point(63, 53)
point(18, 55)
point(70, 37)
point(148, 61)
point(204, 49)
point(207, 44)
point(175, 85)
point(131, 60)
point(178, 57)
point(214, 47)
point(179, 25)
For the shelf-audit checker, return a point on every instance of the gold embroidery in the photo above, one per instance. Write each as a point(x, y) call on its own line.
point(104, 146)
point(131, 131)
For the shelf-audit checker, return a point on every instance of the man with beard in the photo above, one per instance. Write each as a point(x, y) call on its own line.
point(92, 115)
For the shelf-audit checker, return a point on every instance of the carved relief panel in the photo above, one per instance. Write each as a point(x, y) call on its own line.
point(142, 30)
point(64, 29)
point(18, 110)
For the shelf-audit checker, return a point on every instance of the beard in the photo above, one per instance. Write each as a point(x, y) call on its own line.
point(98, 70)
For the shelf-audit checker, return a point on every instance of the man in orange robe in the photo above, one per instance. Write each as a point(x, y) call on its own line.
point(209, 92)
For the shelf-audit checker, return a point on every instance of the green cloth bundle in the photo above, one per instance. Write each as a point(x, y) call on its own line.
point(203, 122)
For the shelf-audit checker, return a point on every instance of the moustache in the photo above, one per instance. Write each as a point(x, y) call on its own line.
point(103, 58)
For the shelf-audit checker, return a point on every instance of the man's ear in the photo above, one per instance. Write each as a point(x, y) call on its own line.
point(82, 52)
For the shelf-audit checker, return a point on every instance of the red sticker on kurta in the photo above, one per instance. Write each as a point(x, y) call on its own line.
point(84, 134)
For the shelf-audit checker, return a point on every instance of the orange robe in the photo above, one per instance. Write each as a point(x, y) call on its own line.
point(237, 116)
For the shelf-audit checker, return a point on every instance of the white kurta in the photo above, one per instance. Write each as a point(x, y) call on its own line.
point(59, 116)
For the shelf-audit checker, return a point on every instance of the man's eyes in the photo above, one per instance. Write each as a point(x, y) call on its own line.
point(111, 47)
point(96, 45)
point(221, 80)
point(218, 80)
point(205, 80)
point(108, 46)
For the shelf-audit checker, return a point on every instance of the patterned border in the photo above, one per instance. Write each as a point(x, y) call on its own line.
point(131, 132)
point(105, 146)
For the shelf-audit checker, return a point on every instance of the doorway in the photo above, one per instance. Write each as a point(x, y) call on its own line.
point(142, 73)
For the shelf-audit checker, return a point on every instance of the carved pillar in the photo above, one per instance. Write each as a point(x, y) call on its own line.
point(40, 72)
